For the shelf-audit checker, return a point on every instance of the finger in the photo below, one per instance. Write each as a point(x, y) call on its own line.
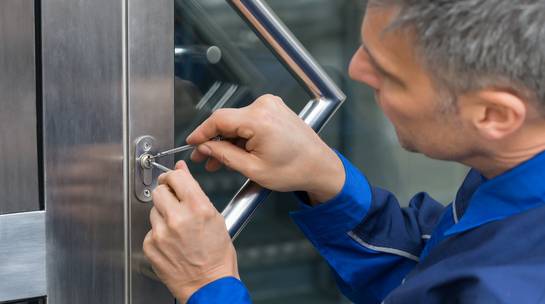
point(183, 184)
point(213, 165)
point(153, 254)
point(231, 156)
point(157, 221)
point(198, 157)
point(182, 165)
point(230, 123)
point(165, 201)
point(149, 247)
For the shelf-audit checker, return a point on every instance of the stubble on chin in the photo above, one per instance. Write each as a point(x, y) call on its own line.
point(407, 145)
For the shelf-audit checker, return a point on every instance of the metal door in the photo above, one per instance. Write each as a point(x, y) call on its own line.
point(220, 62)
point(22, 237)
point(107, 72)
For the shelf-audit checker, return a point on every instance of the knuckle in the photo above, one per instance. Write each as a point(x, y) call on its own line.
point(204, 211)
point(159, 237)
point(160, 190)
point(218, 114)
point(147, 246)
point(263, 101)
point(157, 191)
point(181, 175)
point(176, 176)
point(224, 159)
point(271, 100)
point(175, 223)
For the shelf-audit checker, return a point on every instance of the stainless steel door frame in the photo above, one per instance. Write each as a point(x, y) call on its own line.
point(22, 236)
point(85, 149)
point(108, 79)
point(151, 112)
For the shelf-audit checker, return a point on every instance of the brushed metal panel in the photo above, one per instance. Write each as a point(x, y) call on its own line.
point(84, 114)
point(22, 252)
point(19, 170)
point(151, 112)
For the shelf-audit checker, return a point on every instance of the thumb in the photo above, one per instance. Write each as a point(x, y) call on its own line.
point(231, 156)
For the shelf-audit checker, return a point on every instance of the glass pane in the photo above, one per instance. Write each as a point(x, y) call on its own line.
point(220, 62)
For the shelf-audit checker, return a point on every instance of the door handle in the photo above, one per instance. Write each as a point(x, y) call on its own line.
point(327, 97)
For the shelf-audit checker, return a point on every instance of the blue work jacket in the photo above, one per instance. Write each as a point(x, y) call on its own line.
point(488, 246)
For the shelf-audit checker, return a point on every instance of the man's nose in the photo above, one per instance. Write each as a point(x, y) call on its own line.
point(361, 69)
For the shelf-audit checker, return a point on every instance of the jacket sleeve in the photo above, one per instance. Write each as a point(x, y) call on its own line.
point(225, 290)
point(370, 242)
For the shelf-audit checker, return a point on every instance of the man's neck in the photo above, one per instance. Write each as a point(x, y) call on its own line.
point(509, 155)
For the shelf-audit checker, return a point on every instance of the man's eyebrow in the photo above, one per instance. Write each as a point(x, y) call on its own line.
point(378, 66)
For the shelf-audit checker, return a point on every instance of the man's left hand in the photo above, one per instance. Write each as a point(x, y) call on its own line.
point(188, 245)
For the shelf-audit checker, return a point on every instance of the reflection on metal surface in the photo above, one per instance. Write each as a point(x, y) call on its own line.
point(204, 100)
point(212, 54)
point(22, 256)
point(84, 151)
point(19, 166)
point(226, 97)
point(151, 103)
point(287, 48)
point(327, 96)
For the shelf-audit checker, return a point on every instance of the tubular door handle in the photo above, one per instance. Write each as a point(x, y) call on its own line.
point(327, 97)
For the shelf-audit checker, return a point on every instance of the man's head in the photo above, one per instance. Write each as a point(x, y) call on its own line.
point(458, 79)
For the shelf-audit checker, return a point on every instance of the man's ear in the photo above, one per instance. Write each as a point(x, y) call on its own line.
point(494, 113)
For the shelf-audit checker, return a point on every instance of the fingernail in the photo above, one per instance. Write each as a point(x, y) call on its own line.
point(204, 150)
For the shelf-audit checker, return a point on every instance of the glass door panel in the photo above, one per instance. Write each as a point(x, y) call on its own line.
point(220, 62)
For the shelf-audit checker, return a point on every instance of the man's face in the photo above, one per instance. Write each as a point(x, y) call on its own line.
point(387, 61)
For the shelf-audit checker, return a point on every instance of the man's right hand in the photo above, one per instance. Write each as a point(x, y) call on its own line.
point(269, 144)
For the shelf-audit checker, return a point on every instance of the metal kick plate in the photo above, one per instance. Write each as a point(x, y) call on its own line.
point(145, 177)
point(22, 256)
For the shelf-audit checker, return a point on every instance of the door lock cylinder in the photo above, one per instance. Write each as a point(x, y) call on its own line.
point(145, 178)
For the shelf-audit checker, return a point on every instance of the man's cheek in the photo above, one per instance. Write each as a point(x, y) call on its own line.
point(386, 106)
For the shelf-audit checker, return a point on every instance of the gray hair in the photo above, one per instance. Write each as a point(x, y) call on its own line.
point(474, 44)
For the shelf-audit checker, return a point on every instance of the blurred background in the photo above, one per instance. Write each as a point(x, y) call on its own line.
point(220, 63)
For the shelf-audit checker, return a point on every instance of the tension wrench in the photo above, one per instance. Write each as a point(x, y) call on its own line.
point(160, 167)
point(181, 149)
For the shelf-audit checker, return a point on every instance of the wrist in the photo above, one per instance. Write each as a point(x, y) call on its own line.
point(184, 292)
point(328, 180)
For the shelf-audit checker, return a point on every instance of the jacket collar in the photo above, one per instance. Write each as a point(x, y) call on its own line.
point(480, 201)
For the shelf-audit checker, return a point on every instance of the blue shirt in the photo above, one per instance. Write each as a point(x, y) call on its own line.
point(488, 246)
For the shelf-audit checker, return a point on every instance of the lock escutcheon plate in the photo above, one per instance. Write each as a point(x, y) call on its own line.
point(145, 178)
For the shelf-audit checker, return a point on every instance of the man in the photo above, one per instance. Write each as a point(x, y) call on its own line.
point(460, 81)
